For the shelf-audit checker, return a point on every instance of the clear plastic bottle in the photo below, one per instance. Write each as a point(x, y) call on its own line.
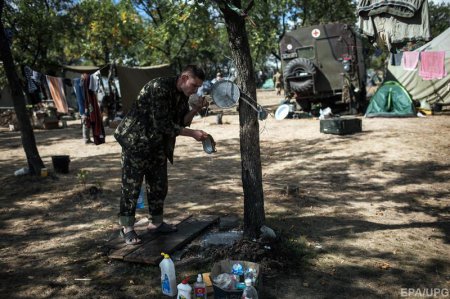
point(200, 288)
point(168, 277)
point(250, 291)
point(184, 289)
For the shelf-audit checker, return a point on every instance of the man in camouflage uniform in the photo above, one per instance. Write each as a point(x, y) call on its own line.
point(147, 136)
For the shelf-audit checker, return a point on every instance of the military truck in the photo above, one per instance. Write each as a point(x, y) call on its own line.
point(324, 64)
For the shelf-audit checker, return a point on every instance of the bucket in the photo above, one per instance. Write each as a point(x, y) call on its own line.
point(61, 163)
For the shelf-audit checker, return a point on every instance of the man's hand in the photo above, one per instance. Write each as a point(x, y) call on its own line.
point(199, 135)
point(197, 103)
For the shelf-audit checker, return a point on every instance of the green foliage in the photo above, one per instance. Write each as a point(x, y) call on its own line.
point(38, 27)
point(180, 33)
point(378, 63)
point(439, 17)
point(327, 11)
point(82, 177)
point(51, 33)
point(104, 31)
point(273, 18)
point(3, 79)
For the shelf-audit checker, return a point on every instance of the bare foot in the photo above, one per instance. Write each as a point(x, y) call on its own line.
point(161, 227)
point(153, 226)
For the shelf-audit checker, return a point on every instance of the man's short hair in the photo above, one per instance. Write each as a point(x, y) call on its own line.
point(195, 70)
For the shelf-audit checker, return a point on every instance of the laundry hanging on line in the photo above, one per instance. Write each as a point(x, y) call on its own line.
point(92, 110)
point(410, 60)
point(432, 65)
point(35, 86)
point(56, 87)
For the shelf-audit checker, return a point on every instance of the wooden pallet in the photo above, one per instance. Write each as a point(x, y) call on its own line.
point(149, 251)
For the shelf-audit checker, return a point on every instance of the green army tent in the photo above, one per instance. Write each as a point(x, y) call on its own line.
point(390, 100)
point(6, 100)
point(132, 79)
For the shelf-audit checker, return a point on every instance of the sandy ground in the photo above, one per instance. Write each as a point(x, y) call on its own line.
point(373, 208)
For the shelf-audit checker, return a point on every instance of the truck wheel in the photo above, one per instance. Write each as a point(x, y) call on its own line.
point(299, 65)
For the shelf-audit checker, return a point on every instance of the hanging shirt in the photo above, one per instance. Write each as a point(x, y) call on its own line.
point(78, 89)
point(56, 87)
point(93, 81)
point(94, 118)
point(31, 86)
point(96, 85)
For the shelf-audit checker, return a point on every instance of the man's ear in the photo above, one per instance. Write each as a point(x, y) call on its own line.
point(184, 76)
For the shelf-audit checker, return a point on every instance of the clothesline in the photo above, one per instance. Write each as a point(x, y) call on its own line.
point(86, 88)
point(103, 67)
point(40, 86)
point(431, 50)
point(432, 63)
point(63, 78)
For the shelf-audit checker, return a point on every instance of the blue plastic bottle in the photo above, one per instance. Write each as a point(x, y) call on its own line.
point(141, 198)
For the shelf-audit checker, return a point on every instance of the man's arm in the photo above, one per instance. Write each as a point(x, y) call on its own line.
point(196, 108)
point(198, 135)
point(190, 116)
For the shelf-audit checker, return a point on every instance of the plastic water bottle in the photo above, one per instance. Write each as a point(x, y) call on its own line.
point(141, 198)
point(168, 277)
point(250, 291)
point(238, 271)
point(200, 288)
point(22, 171)
point(184, 289)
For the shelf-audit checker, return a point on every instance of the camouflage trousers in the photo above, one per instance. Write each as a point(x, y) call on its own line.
point(134, 168)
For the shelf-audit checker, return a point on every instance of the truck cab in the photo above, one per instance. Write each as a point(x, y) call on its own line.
point(324, 64)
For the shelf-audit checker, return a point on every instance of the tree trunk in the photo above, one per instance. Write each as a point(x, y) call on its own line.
point(248, 120)
point(34, 160)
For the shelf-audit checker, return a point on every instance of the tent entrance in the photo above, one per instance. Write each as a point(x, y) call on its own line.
point(391, 100)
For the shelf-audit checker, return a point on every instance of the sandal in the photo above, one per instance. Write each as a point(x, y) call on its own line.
point(131, 237)
point(164, 228)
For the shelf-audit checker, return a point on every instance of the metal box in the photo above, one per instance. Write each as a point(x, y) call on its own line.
point(340, 126)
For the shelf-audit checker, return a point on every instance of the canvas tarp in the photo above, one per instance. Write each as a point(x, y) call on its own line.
point(390, 100)
point(89, 69)
point(132, 79)
point(431, 91)
point(394, 21)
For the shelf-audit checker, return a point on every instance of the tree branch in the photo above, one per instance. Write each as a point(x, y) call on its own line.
point(182, 45)
point(2, 2)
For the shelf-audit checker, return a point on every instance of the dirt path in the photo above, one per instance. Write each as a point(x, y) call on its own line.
point(372, 208)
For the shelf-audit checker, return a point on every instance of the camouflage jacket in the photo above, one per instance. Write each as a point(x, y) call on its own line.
point(154, 120)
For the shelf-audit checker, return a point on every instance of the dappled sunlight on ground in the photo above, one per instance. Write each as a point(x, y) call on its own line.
point(373, 207)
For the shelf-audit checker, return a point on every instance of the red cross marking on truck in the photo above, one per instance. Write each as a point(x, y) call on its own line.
point(315, 33)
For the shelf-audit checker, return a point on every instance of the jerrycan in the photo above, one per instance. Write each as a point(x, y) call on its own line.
point(168, 277)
